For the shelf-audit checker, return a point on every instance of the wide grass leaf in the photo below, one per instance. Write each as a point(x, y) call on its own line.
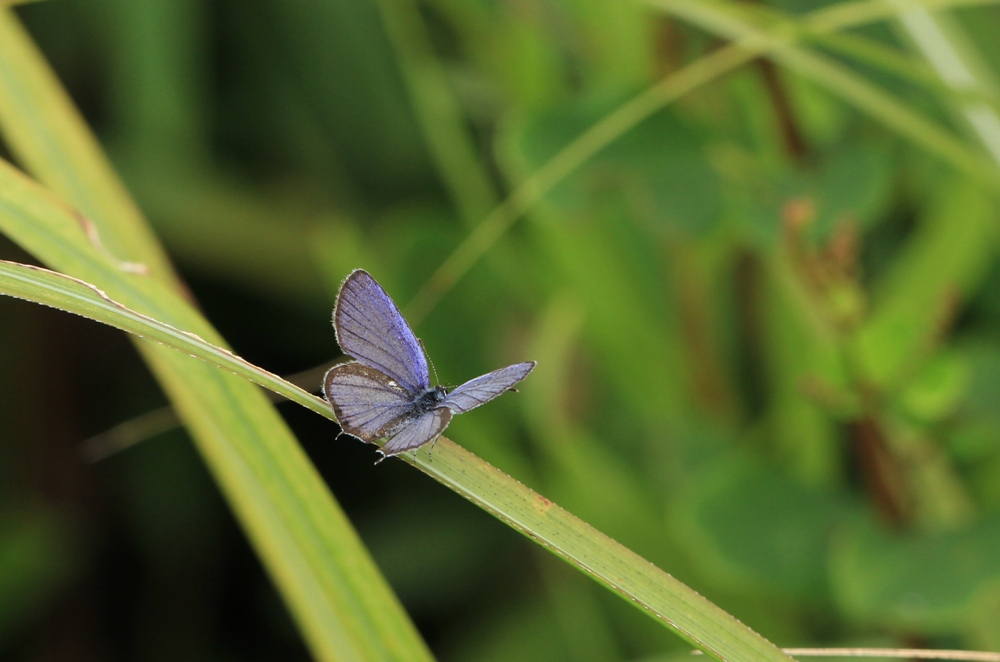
point(343, 606)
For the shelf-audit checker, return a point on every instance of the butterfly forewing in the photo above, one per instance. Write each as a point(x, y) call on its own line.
point(368, 404)
point(371, 329)
point(420, 430)
point(386, 391)
point(482, 389)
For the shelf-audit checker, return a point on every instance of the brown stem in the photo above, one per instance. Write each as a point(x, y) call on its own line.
point(788, 125)
point(880, 471)
point(791, 134)
point(708, 380)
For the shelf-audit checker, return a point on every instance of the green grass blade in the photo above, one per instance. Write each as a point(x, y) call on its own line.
point(844, 15)
point(945, 260)
point(951, 70)
point(729, 22)
point(954, 58)
point(663, 597)
point(342, 604)
point(73, 295)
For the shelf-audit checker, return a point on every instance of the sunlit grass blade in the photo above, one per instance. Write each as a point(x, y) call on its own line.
point(663, 597)
point(878, 55)
point(729, 22)
point(953, 71)
point(341, 603)
point(843, 15)
point(954, 58)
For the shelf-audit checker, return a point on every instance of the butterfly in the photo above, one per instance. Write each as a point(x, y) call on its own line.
point(386, 391)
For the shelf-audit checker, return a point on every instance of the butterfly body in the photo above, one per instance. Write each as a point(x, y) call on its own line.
point(429, 399)
point(386, 392)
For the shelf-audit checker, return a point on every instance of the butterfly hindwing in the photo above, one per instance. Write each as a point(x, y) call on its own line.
point(371, 329)
point(368, 404)
point(385, 392)
point(418, 431)
point(482, 389)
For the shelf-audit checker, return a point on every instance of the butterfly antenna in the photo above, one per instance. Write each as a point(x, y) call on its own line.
point(381, 456)
point(437, 380)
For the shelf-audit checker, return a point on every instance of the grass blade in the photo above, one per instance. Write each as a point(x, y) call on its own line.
point(729, 22)
point(663, 597)
point(342, 604)
point(953, 56)
point(50, 288)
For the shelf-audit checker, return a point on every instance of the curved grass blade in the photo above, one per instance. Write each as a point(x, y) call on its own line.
point(50, 288)
point(729, 22)
point(624, 572)
point(155, 422)
point(855, 13)
point(954, 58)
point(343, 606)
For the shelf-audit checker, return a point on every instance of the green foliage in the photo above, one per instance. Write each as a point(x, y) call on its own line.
point(753, 247)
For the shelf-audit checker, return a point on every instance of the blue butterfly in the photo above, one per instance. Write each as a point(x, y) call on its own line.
point(386, 391)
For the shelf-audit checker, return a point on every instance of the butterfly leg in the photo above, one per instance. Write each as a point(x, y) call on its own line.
point(431, 449)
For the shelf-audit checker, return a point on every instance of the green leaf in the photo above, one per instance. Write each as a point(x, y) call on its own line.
point(760, 529)
point(933, 584)
point(623, 119)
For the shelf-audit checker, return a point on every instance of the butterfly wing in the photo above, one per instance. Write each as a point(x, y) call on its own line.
point(482, 389)
point(369, 405)
point(371, 329)
point(417, 432)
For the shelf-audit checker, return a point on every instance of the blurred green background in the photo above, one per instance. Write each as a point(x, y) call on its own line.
point(767, 321)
